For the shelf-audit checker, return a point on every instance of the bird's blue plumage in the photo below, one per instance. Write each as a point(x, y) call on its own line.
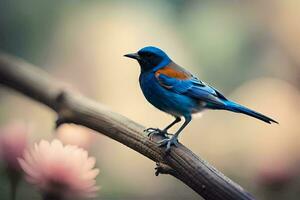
point(192, 88)
point(159, 53)
point(176, 91)
point(164, 99)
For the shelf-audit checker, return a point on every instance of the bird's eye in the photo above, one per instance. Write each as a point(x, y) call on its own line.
point(148, 54)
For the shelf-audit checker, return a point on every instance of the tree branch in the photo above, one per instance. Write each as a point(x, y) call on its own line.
point(73, 108)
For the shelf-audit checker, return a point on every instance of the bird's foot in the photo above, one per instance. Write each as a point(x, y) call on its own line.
point(156, 131)
point(168, 143)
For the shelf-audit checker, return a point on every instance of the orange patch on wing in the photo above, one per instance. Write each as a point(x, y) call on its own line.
point(168, 71)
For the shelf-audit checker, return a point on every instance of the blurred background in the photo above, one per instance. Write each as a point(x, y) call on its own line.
point(249, 50)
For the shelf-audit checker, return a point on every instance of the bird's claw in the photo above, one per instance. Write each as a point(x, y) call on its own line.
point(156, 131)
point(168, 143)
point(152, 130)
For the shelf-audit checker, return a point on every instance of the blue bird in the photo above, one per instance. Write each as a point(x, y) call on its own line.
point(176, 91)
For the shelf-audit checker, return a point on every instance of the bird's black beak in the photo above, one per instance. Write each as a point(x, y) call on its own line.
point(133, 56)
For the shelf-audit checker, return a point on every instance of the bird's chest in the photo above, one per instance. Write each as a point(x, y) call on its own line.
point(153, 92)
point(163, 99)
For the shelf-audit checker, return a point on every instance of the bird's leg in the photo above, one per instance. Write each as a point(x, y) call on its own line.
point(177, 119)
point(174, 139)
point(164, 132)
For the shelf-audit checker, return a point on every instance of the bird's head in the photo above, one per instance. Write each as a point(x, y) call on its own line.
point(150, 58)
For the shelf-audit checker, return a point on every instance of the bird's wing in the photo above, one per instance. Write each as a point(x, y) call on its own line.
point(179, 80)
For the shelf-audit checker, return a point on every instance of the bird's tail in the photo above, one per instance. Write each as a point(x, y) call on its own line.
point(232, 106)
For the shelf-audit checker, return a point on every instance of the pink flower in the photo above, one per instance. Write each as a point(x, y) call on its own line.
point(60, 171)
point(75, 135)
point(13, 141)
